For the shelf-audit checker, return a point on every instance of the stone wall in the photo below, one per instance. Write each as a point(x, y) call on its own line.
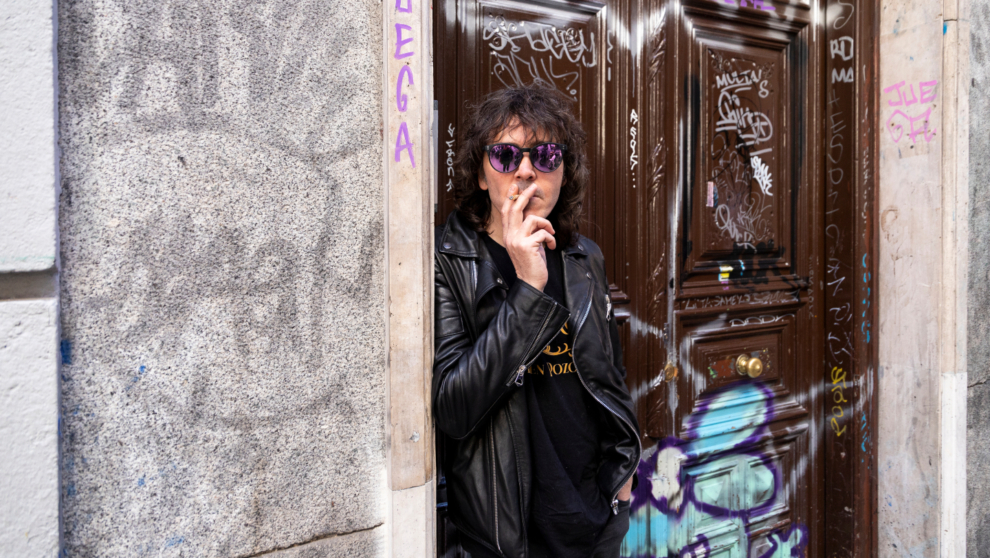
point(222, 250)
point(978, 405)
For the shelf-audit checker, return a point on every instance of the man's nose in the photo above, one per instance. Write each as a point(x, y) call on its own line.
point(526, 170)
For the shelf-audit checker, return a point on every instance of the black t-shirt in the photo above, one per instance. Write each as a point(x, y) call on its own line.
point(568, 508)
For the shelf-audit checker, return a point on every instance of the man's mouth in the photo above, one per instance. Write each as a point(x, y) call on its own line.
point(537, 194)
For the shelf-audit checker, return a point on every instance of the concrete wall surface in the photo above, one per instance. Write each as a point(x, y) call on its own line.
point(978, 407)
point(222, 245)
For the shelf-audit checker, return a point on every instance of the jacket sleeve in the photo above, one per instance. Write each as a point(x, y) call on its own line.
point(470, 379)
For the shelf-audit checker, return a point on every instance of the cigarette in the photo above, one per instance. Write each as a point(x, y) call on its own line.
point(513, 197)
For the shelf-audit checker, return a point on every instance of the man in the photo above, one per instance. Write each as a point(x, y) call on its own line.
point(528, 386)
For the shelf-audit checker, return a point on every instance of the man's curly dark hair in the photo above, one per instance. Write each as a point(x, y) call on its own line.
point(546, 112)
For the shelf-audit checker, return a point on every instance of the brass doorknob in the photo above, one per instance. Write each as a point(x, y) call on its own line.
point(749, 366)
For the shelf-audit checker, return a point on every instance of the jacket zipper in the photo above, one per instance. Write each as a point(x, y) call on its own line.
point(584, 316)
point(491, 441)
point(521, 371)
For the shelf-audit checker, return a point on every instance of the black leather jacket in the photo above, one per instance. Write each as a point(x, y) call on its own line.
point(485, 336)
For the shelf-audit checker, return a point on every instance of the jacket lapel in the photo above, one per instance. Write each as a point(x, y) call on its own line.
point(578, 283)
point(459, 240)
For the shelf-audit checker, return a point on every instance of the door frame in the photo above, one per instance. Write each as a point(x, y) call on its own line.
point(408, 155)
point(851, 402)
point(410, 136)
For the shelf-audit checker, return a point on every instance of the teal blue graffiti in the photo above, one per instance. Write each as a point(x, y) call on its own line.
point(698, 497)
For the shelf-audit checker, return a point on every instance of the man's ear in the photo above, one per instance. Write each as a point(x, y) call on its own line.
point(482, 183)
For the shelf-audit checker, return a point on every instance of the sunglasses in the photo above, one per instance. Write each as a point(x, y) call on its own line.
point(545, 157)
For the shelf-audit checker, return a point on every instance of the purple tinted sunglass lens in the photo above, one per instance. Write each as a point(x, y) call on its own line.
point(548, 157)
point(505, 158)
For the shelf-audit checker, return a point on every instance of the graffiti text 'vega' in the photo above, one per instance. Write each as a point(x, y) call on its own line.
point(403, 36)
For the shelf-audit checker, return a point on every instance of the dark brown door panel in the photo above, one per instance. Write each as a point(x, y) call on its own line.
point(743, 189)
point(704, 120)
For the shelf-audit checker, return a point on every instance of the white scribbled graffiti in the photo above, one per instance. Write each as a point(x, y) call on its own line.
point(740, 215)
point(753, 126)
point(742, 152)
point(761, 173)
point(450, 157)
point(768, 297)
point(565, 48)
point(758, 320)
point(633, 154)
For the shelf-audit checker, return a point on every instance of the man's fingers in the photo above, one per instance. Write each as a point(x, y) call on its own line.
point(543, 237)
point(533, 223)
point(510, 197)
point(523, 199)
point(507, 206)
point(513, 216)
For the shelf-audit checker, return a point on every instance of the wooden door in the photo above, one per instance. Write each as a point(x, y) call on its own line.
point(706, 199)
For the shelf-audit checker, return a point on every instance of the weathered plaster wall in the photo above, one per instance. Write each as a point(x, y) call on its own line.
point(29, 486)
point(908, 463)
point(222, 240)
point(978, 407)
point(922, 274)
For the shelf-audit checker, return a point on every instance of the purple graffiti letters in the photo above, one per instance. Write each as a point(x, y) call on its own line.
point(913, 131)
point(403, 36)
point(901, 98)
point(757, 4)
point(927, 89)
point(401, 100)
point(400, 41)
point(906, 98)
point(796, 538)
point(402, 143)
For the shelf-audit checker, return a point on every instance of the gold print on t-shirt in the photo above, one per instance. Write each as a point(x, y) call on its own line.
point(566, 364)
point(560, 351)
point(563, 350)
point(555, 369)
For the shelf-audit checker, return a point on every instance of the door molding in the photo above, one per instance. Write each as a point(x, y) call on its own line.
point(849, 283)
point(407, 59)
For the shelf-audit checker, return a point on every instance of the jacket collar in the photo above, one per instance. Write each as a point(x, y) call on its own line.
point(460, 240)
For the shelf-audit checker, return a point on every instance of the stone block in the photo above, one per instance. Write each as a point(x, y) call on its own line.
point(27, 136)
point(29, 428)
point(352, 545)
point(979, 194)
point(978, 473)
point(978, 370)
point(222, 274)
